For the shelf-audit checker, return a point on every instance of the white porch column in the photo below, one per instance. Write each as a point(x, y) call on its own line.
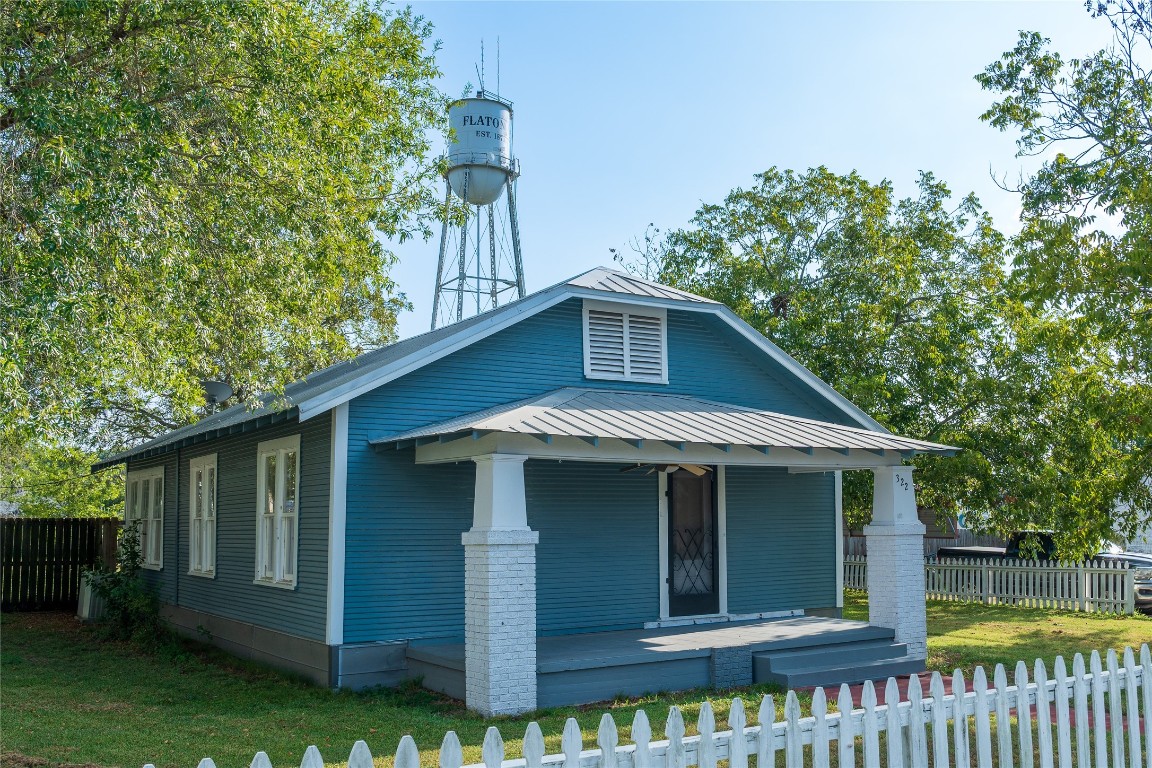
point(896, 559)
point(500, 592)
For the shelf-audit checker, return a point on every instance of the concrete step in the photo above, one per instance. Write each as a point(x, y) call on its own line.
point(876, 669)
point(836, 635)
point(830, 655)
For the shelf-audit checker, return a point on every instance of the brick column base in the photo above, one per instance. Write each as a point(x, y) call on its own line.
point(731, 667)
point(896, 583)
point(500, 620)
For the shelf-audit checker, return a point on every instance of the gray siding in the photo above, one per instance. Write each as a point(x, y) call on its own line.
point(232, 593)
point(597, 564)
point(404, 576)
point(781, 540)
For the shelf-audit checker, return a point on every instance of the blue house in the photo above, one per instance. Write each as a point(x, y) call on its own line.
point(609, 486)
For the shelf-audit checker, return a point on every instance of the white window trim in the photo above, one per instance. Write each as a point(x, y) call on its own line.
point(283, 444)
point(138, 475)
point(203, 463)
point(839, 486)
point(626, 309)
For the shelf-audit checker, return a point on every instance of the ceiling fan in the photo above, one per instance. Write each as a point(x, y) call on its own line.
point(695, 469)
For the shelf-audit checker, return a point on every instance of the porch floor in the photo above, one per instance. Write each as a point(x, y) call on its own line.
point(594, 666)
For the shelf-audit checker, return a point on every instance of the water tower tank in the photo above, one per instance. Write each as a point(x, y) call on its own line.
point(482, 148)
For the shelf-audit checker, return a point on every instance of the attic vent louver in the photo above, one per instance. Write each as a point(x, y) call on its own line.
point(625, 343)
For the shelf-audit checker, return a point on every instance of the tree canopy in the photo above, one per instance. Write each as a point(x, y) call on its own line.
point(196, 190)
point(1086, 240)
point(1085, 245)
point(906, 308)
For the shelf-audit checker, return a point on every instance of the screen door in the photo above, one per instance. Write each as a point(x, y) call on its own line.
point(693, 587)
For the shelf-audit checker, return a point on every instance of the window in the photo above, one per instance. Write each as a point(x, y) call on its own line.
point(625, 343)
point(144, 505)
point(278, 488)
point(202, 516)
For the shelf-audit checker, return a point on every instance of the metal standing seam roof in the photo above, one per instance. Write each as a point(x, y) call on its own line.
point(598, 413)
point(602, 279)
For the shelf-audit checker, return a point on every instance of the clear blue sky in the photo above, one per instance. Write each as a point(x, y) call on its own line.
point(631, 113)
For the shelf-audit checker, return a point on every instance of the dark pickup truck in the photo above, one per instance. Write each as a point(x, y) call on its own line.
point(1042, 547)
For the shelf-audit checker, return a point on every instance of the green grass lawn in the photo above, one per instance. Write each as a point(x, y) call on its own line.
point(68, 698)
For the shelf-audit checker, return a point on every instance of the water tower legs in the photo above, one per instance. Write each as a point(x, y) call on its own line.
point(460, 280)
point(443, 252)
point(482, 269)
point(514, 225)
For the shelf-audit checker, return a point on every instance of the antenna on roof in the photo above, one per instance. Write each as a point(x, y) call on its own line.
point(497, 65)
point(480, 68)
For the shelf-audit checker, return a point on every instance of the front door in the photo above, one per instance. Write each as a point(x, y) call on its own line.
point(693, 587)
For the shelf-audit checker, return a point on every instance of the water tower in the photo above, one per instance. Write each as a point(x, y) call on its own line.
point(480, 266)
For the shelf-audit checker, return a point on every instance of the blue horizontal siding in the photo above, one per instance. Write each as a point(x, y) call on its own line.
point(398, 586)
point(598, 561)
point(404, 567)
point(781, 539)
point(232, 593)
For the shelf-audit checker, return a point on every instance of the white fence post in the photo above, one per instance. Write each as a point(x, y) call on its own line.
point(452, 755)
point(766, 744)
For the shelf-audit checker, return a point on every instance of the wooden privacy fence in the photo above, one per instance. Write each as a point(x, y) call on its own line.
point(1086, 586)
point(41, 560)
point(1091, 717)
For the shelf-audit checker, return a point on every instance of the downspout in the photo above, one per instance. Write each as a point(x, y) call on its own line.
point(177, 525)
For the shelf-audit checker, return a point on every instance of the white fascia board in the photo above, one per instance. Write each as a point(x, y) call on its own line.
point(371, 379)
point(617, 451)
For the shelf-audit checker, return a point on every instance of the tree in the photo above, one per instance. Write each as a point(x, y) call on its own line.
point(46, 480)
point(195, 190)
point(905, 308)
point(1086, 241)
point(1085, 245)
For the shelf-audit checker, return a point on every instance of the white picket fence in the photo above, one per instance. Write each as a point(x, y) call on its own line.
point(1085, 586)
point(855, 572)
point(1092, 717)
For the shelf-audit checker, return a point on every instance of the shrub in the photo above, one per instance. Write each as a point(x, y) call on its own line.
point(133, 608)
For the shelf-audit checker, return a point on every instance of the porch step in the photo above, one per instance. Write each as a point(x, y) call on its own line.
point(844, 654)
point(834, 664)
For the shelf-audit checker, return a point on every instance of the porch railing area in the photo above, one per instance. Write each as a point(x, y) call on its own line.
point(1092, 586)
point(1092, 716)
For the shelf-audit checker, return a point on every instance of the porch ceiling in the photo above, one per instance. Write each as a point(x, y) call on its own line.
point(678, 424)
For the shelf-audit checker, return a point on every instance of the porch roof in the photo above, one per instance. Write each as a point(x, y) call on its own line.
point(676, 420)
